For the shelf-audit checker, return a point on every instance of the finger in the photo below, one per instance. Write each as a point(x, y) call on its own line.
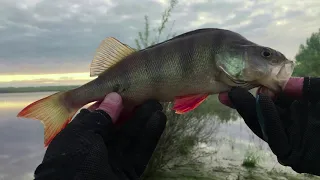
point(140, 116)
point(112, 105)
point(282, 99)
point(139, 112)
point(124, 116)
point(303, 87)
point(224, 99)
point(245, 104)
point(97, 121)
point(128, 131)
point(293, 88)
point(265, 91)
point(147, 109)
point(311, 89)
point(224, 96)
point(277, 137)
point(148, 141)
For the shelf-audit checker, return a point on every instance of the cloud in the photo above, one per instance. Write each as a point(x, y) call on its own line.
point(47, 36)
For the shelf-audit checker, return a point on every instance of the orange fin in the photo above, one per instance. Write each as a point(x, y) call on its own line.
point(52, 112)
point(185, 104)
point(110, 52)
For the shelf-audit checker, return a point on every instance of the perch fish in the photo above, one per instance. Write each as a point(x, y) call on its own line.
point(185, 70)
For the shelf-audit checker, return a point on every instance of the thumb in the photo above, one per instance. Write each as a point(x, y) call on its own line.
point(112, 105)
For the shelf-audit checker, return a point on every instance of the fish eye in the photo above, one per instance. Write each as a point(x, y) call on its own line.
point(266, 53)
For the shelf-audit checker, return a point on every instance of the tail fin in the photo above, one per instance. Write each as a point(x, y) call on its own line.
point(53, 112)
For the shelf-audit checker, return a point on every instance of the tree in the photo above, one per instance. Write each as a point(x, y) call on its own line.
point(308, 57)
point(143, 39)
point(179, 142)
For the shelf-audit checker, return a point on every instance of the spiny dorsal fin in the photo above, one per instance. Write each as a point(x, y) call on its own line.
point(109, 53)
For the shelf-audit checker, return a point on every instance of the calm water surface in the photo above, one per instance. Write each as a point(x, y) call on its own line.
point(22, 149)
point(21, 140)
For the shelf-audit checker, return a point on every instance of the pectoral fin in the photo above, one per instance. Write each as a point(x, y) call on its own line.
point(183, 104)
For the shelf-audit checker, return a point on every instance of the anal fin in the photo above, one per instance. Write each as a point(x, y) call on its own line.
point(183, 104)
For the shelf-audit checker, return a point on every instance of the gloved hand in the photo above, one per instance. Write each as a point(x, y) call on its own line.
point(290, 124)
point(92, 147)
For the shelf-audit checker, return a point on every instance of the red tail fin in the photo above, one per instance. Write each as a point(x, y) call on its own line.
point(52, 112)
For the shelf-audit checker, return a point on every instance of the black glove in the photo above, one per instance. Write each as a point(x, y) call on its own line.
point(290, 126)
point(91, 147)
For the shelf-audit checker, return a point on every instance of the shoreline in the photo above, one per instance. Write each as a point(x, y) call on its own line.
point(31, 89)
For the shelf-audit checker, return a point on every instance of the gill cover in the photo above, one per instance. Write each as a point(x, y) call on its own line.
point(232, 64)
point(238, 64)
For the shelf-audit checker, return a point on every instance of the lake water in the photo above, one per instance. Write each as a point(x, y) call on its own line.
point(21, 140)
point(22, 149)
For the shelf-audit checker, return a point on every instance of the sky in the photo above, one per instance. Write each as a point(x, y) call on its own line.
point(45, 42)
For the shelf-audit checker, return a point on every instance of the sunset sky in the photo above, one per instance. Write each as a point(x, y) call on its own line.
point(46, 42)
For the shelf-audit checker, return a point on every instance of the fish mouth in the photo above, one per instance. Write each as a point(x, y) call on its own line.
point(285, 73)
point(277, 80)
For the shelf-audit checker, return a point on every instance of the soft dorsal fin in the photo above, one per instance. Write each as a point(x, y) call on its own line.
point(110, 52)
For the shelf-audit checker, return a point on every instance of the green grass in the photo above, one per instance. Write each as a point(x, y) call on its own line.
point(251, 159)
point(35, 89)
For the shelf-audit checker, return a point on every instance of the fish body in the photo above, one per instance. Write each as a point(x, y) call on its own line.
point(185, 69)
